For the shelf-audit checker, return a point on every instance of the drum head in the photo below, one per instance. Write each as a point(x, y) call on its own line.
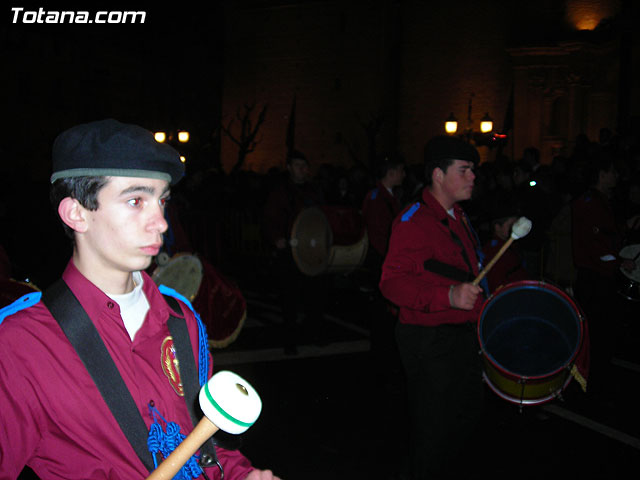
point(311, 241)
point(630, 252)
point(530, 330)
point(183, 273)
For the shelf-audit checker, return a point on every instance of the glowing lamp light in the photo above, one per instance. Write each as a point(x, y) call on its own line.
point(486, 124)
point(183, 136)
point(160, 137)
point(587, 14)
point(451, 125)
point(183, 159)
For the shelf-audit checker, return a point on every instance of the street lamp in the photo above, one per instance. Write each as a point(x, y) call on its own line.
point(451, 124)
point(486, 124)
point(183, 136)
point(483, 137)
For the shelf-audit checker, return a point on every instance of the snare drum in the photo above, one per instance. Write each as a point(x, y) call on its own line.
point(530, 334)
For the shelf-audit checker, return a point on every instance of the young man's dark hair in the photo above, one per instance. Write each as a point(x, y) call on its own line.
point(388, 162)
point(83, 189)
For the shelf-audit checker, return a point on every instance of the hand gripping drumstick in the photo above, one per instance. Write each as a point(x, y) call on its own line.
point(519, 229)
point(229, 403)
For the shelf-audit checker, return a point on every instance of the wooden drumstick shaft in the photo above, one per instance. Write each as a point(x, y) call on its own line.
point(183, 452)
point(493, 261)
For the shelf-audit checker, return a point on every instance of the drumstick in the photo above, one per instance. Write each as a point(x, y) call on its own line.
point(519, 229)
point(234, 409)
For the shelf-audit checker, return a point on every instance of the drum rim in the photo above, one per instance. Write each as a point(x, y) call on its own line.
point(539, 285)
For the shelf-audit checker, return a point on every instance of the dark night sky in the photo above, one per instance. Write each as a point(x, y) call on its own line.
point(55, 76)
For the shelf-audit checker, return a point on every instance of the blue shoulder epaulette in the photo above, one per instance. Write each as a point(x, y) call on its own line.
point(203, 339)
point(173, 293)
point(374, 193)
point(406, 216)
point(23, 302)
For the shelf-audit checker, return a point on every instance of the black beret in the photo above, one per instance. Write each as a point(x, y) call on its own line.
point(110, 148)
point(444, 147)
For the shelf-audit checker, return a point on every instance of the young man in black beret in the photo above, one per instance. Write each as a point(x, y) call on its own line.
point(431, 262)
point(59, 415)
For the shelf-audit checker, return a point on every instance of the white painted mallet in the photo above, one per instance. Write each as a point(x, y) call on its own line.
point(229, 404)
point(520, 229)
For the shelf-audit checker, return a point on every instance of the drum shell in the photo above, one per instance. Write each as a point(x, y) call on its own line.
point(329, 240)
point(530, 334)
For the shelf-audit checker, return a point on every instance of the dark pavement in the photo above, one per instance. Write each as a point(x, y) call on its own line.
point(330, 412)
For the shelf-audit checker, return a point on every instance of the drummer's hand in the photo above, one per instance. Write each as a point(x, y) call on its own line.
point(464, 295)
point(261, 475)
point(281, 243)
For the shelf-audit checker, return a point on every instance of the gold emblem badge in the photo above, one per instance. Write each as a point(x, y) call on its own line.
point(170, 365)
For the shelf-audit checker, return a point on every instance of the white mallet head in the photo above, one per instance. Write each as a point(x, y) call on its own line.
point(521, 228)
point(230, 402)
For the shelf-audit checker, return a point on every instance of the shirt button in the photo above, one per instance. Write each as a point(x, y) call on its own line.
point(110, 305)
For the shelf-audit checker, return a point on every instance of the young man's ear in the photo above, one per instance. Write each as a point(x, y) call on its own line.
point(72, 214)
point(438, 174)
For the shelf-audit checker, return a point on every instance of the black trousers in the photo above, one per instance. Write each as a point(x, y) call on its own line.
point(445, 395)
point(298, 294)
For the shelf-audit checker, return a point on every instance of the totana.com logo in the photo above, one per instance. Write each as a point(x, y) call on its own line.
point(20, 15)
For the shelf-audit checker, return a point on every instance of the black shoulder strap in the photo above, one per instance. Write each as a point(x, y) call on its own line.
point(86, 340)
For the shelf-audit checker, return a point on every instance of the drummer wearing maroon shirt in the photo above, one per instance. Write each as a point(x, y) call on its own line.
point(428, 272)
point(111, 182)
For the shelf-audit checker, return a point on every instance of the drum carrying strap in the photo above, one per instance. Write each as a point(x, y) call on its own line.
point(84, 337)
point(86, 340)
point(449, 271)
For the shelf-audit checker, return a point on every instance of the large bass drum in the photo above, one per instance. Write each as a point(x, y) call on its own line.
point(530, 334)
point(217, 299)
point(329, 239)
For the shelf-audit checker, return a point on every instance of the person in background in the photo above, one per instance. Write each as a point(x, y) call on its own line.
point(510, 267)
point(298, 293)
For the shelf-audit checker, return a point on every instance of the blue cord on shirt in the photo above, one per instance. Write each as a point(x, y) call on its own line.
point(165, 442)
point(203, 344)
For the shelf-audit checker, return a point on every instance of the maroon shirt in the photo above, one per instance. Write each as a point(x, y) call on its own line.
point(420, 233)
point(52, 416)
